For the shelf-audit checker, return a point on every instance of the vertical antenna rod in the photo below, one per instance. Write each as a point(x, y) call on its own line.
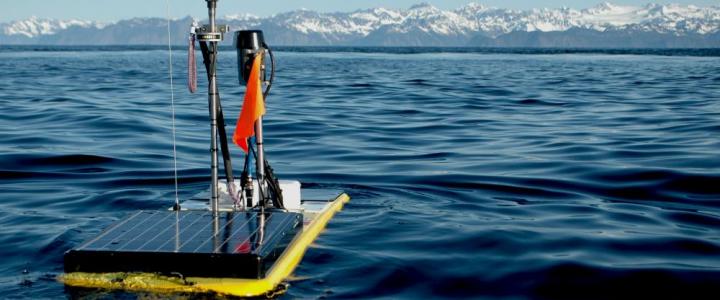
point(212, 98)
point(209, 36)
point(176, 206)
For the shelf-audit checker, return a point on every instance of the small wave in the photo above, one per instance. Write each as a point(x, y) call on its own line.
point(540, 102)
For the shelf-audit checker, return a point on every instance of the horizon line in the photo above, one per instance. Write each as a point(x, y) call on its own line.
point(422, 3)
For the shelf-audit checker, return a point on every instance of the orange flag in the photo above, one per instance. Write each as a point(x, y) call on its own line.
point(253, 107)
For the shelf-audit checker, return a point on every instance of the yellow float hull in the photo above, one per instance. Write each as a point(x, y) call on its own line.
point(281, 270)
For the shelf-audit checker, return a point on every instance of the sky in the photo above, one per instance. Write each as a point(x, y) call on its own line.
point(113, 10)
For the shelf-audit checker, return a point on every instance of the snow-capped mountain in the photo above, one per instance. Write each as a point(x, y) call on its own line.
point(34, 27)
point(421, 25)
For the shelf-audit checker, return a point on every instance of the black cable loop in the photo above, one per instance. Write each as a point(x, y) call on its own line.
point(272, 71)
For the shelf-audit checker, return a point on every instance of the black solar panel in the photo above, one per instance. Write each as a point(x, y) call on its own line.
point(190, 243)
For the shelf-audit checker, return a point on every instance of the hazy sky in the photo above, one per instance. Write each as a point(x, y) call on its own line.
point(112, 10)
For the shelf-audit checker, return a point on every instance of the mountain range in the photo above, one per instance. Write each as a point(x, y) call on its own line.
point(603, 26)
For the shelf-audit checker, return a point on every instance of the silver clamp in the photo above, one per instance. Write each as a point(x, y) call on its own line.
point(203, 34)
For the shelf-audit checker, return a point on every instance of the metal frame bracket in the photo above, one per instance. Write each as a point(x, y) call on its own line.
point(203, 34)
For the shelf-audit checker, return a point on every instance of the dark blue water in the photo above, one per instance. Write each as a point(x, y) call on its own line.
point(494, 174)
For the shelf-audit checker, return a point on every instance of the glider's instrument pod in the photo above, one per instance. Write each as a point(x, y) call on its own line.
point(249, 45)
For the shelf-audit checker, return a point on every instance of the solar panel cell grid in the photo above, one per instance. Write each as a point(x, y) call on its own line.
point(154, 241)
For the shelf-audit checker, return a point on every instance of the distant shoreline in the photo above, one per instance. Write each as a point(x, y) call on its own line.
point(708, 52)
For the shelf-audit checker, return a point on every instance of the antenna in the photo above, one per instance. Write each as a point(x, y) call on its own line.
point(172, 105)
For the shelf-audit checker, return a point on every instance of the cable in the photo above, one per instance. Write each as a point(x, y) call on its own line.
point(272, 71)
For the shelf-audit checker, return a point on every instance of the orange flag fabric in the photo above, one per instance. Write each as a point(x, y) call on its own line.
point(253, 107)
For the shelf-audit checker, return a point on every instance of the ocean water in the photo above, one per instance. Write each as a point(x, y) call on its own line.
point(474, 174)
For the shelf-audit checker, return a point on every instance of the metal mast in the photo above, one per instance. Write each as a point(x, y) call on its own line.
point(260, 161)
point(212, 34)
point(212, 98)
point(208, 37)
